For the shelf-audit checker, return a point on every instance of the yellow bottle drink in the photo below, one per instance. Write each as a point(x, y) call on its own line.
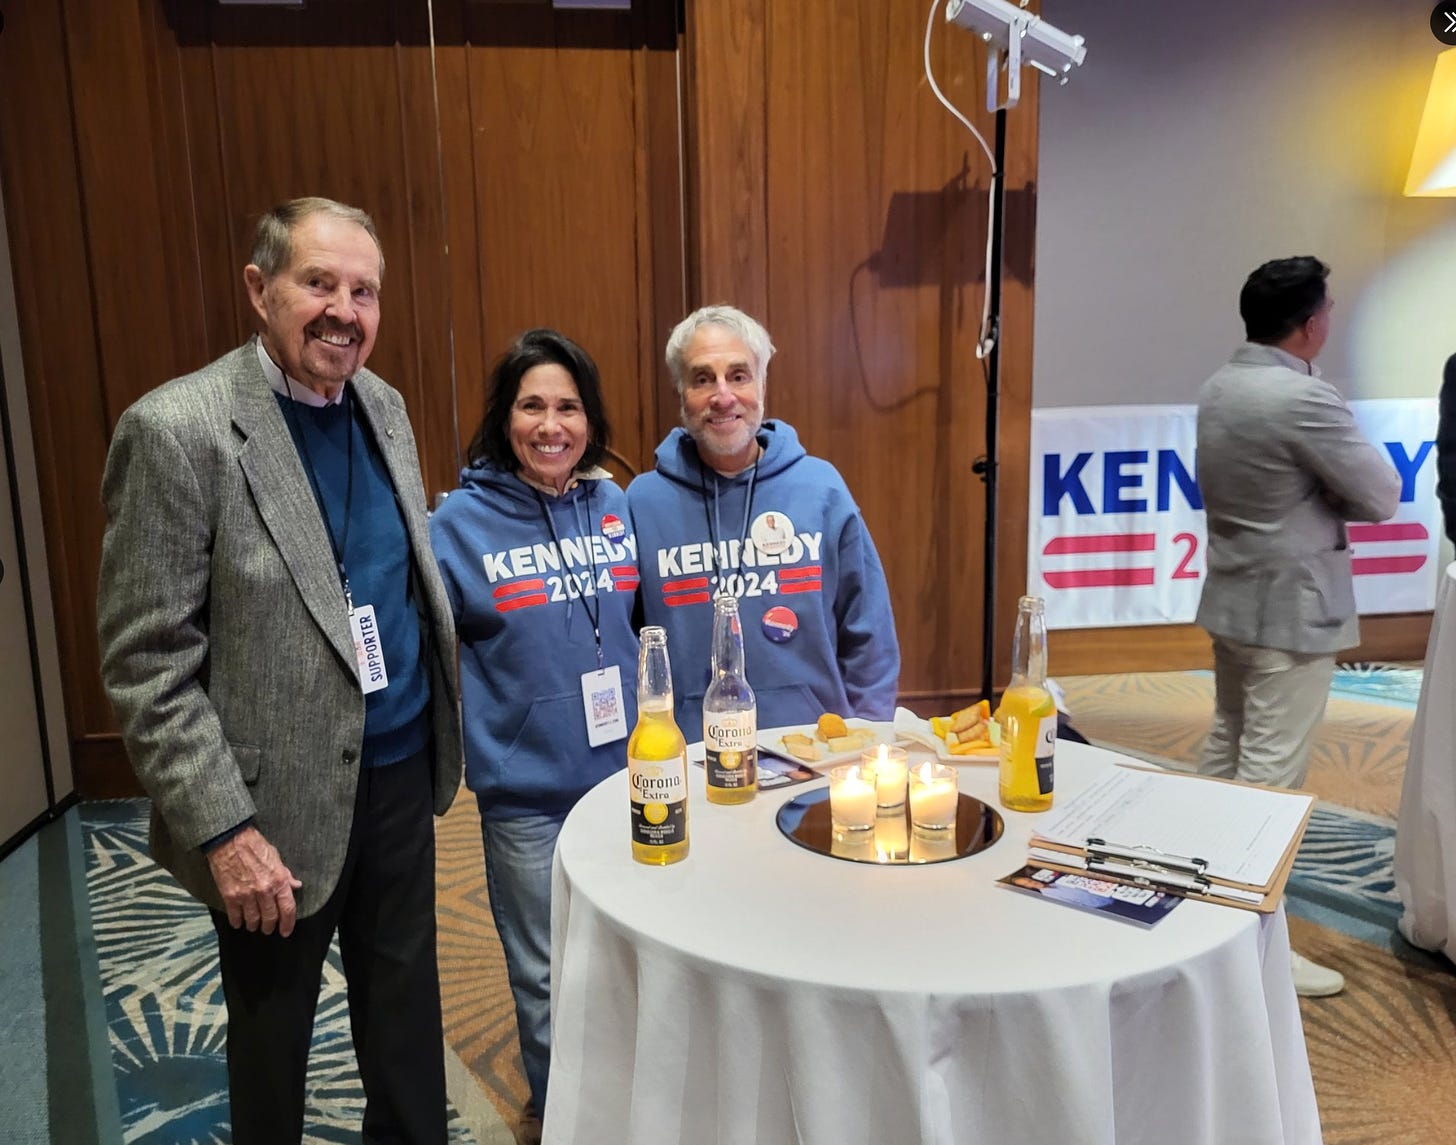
point(1028, 716)
point(657, 761)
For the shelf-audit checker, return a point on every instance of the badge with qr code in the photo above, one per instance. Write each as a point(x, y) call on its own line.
point(601, 697)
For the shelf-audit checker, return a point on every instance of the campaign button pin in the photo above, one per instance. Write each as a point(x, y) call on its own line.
point(771, 533)
point(612, 528)
point(780, 624)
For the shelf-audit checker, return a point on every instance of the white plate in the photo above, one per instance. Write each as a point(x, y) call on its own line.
point(909, 726)
point(772, 739)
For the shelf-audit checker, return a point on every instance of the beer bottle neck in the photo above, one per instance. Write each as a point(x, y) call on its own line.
point(1028, 648)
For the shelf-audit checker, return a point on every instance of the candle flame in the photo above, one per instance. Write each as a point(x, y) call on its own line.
point(884, 753)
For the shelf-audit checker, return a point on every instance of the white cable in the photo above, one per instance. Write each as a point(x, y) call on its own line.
point(940, 95)
point(987, 340)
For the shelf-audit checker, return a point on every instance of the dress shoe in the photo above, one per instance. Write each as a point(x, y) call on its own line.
point(1311, 980)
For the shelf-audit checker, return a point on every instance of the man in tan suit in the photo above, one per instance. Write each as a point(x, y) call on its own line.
point(1282, 467)
point(280, 653)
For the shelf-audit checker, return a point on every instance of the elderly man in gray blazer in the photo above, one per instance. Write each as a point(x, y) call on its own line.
point(280, 653)
point(1281, 467)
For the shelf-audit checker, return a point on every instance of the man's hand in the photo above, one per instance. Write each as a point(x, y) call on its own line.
point(256, 887)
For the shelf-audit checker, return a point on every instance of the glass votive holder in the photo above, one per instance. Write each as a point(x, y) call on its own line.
point(932, 846)
point(852, 797)
point(888, 765)
point(934, 796)
point(856, 845)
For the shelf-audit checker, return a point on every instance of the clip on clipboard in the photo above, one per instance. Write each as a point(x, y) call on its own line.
point(1146, 865)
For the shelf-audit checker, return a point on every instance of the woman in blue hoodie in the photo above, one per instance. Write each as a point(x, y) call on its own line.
point(540, 564)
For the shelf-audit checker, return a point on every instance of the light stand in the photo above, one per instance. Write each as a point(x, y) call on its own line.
point(987, 466)
point(1012, 36)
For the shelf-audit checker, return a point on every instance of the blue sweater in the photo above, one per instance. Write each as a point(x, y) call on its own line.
point(818, 632)
point(526, 632)
point(377, 558)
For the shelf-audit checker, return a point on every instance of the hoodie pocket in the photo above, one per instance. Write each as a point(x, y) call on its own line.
point(540, 755)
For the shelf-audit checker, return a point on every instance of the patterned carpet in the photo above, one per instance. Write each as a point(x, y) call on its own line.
point(480, 1018)
point(164, 1007)
point(1383, 1052)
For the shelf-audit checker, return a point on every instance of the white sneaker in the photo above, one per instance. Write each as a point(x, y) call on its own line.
point(1311, 980)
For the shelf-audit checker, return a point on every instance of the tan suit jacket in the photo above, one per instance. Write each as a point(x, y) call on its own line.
point(1281, 467)
point(226, 647)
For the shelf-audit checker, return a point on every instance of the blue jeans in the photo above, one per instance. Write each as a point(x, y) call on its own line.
point(518, 854)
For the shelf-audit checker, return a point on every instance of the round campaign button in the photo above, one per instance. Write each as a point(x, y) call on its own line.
point(771, 533)
point(612, 528)
point(780, 624)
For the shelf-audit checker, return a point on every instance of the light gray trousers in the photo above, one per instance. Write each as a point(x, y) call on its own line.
point(1267, 704)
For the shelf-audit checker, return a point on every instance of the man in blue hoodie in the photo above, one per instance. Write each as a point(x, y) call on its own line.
point(736, 505)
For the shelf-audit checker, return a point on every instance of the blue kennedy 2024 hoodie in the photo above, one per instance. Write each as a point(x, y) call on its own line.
point(818, 633)
point(526, 631)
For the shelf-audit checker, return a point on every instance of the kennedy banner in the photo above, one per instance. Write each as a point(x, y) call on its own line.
point(1117, 531)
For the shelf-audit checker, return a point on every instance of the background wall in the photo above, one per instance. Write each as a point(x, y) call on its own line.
point(598, 171)
point(1190, 151)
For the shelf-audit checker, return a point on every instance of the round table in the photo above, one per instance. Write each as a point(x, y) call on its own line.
point(760, 993)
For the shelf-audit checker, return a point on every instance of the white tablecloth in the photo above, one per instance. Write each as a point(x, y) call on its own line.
point(1425, 833)
point(762, 994)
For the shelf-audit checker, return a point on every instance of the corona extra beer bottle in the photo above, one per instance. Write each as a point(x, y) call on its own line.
point(1028, 716)
point(657, 761)
point(730, 713)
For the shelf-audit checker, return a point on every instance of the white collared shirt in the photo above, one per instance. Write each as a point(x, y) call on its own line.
point(292, 387)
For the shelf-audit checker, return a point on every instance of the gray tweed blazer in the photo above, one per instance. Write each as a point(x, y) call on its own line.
point(1282, 466)
point(225, 640)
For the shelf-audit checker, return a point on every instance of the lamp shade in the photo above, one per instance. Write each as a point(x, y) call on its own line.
point(1433, 163)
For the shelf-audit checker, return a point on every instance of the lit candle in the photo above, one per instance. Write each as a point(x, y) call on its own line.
point(933, 796)
point(888, 765)
point(852, 798)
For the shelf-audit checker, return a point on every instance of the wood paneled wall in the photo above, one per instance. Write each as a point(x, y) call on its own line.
point(140, 140)
point(838, 201)
point(598, 171)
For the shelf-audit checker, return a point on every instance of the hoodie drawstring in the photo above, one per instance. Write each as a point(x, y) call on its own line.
point(715, 524)
point(584, 528)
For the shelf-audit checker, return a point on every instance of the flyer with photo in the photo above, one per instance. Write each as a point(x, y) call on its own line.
point(1142, 906)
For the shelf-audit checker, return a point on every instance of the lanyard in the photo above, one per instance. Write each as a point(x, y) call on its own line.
point(341, 544)
point(715, 526)
point(587, 600)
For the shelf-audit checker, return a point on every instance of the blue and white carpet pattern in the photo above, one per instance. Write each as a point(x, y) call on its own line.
point(1344, 876)
point(164, 1002)
point(1378, 683)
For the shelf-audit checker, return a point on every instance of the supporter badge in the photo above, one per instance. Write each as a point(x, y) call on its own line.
point(368, 650)
point(612, 528)
point(780, 624)
point(771, 533)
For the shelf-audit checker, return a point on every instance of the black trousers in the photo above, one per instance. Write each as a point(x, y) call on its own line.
point(384, 912)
